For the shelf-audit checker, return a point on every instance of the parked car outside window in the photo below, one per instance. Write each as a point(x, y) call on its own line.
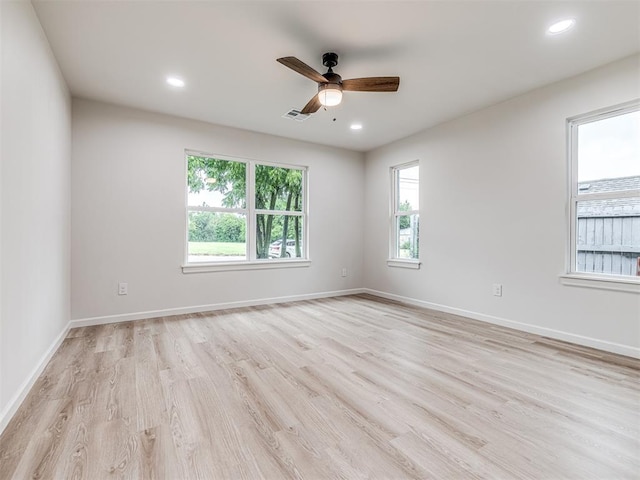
point(274, 249)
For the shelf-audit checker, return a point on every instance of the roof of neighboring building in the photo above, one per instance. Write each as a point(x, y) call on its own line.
point(619, 207)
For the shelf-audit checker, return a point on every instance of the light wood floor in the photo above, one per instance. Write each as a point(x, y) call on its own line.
point(349, 387)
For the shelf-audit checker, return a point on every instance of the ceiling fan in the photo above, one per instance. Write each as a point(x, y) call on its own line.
point(331, 85)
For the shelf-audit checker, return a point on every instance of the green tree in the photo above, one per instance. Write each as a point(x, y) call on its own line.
point(230, 228)
point(216, 227)
point(226, 177)
point(405, 221)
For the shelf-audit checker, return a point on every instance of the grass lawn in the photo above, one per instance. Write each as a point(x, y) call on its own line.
point(217, 248)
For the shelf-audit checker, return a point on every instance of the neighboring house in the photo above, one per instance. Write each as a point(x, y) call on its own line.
point(609, 230)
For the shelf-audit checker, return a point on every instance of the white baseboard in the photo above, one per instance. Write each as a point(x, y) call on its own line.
point(525, 327)
point(14, 403)
point(87, 322)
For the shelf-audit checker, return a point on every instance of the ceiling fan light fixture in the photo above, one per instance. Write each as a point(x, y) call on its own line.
point(329, 94)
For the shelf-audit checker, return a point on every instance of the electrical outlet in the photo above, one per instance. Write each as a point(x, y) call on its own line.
point(123, 288)
point(497, 290)
point(344, 271)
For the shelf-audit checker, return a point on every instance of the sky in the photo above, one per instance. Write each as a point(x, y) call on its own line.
point(409, 186)
point(609, 148)
point(205, 197)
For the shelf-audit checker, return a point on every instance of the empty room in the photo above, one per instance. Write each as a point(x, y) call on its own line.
point(319, 239)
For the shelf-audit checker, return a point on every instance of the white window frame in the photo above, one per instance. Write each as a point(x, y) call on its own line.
point(572, 276)
point(395, 213)
point(250, 211)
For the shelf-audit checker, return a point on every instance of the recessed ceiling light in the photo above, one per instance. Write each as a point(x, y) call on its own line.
point(356, 126)
point(561, 26)
point(175, 82)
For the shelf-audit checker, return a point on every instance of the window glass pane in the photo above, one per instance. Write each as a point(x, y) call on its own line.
point(609, 154)
point(216, 183)
point(608, 236)
point(217, 237)
point(407, 236)
point(271, 235)
point(408, 182)
point(278, 188)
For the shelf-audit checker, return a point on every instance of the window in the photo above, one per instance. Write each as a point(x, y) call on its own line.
point(605, 193)
point(242, 212)
point(405, 216)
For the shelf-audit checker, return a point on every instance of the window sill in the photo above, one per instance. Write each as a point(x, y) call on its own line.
point(603, 282)
point(404, 263)
point(236, 266)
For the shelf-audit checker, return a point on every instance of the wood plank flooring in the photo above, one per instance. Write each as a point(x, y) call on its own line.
point(348, 387)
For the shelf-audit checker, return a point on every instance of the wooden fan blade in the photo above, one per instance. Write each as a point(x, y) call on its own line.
point(312, 105)
point(302, 68)
point(371, 84)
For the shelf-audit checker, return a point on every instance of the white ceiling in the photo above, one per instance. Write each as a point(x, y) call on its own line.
point(452, 57)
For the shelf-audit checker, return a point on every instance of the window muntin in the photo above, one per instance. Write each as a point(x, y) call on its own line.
point(405, 221)
point(241, 211)
point(605, 192)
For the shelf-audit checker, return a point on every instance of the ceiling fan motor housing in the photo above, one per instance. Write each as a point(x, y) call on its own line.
point(332, 79)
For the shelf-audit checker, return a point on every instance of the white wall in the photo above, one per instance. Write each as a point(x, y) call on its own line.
point(493, 198)
point(35, 202)
point(128, 214)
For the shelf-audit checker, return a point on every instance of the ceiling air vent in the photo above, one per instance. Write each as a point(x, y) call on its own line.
point(294, 114)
